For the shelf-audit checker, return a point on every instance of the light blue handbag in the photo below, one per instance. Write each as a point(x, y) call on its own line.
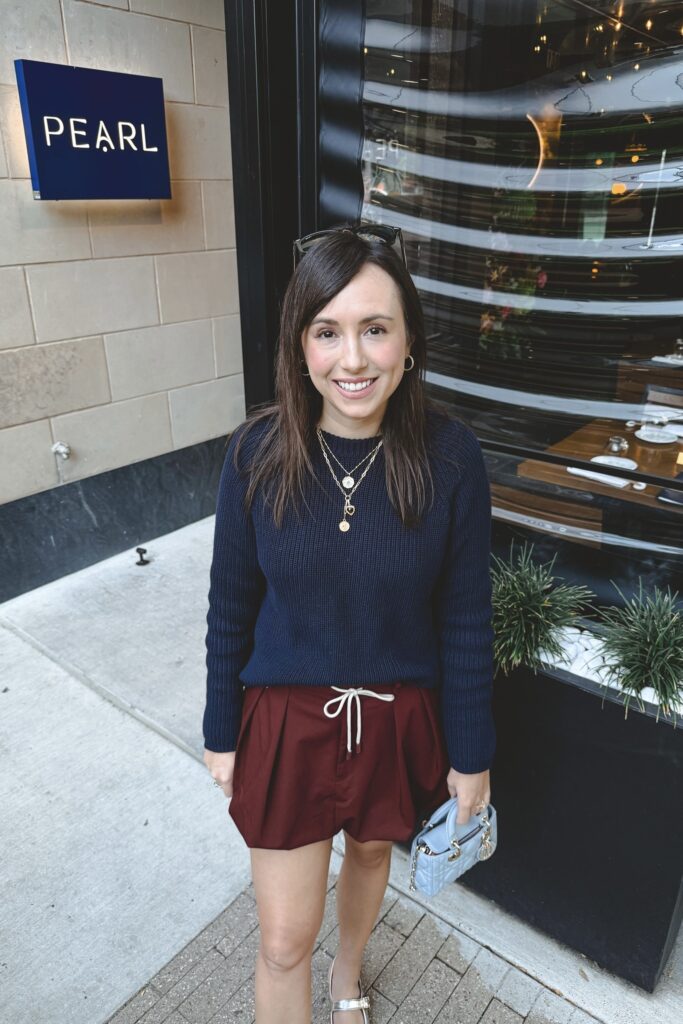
point(442, 850)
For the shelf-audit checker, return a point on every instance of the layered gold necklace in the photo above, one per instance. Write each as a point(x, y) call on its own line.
point(348, 485)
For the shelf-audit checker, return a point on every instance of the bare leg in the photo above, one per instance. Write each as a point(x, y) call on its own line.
point(361, 886)
point(290, 888)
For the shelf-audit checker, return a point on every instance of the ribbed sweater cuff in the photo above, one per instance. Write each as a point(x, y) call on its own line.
point(470, 737)
point(220, 734)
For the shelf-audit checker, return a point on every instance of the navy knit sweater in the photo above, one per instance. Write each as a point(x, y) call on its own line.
point(311, 605)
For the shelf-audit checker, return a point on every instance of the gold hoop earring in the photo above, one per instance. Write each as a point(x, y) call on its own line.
point(303, 373)
point(406, 368)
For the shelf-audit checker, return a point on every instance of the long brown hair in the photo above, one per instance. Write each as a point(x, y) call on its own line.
point(282, 461)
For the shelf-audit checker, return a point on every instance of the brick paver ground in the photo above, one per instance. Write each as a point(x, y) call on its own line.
point(416, 970)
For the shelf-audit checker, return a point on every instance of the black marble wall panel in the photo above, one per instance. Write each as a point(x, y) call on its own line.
point(49, 535)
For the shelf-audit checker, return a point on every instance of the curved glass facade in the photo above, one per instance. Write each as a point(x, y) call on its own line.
point(532, 152)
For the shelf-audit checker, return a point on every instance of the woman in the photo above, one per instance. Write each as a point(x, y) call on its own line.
point(371, 600)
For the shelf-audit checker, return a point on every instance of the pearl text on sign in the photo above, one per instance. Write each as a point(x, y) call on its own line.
point(125, 132)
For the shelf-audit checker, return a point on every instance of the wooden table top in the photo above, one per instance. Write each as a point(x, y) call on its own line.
point(665, 460)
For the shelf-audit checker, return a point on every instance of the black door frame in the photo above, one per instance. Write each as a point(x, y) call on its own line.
point(272, 73)
point(295, 86)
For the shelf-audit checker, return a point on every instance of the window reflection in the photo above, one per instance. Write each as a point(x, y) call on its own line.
point(533, 156)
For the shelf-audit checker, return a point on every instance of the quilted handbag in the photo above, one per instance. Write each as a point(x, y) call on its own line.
point(442, 851)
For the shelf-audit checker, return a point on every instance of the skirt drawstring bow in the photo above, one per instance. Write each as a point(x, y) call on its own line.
point(348, 695)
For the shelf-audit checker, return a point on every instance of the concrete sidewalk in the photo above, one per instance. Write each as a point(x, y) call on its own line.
point(126, 887)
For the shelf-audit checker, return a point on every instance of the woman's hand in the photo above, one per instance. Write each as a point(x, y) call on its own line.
point(221, 767)
point(472, 792)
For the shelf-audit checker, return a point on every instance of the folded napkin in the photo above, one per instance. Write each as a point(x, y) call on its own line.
point(603, 478)
point(670, 495)
point(674, 428)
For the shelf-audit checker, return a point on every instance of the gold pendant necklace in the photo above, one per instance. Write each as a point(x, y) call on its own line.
point(348, 481)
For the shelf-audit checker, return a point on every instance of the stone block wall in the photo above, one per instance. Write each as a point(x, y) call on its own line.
point(119, 320)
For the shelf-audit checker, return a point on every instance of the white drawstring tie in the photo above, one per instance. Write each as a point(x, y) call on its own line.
point(347, 695)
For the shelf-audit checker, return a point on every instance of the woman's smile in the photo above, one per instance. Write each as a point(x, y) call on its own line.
point(356, 391)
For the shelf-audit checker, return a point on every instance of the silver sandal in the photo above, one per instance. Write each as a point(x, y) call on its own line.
point(362, 1003)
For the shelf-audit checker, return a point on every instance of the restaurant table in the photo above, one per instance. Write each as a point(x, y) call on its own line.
point(637, 372)
point(664, 460)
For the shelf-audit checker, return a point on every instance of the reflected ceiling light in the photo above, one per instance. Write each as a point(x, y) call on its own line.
point(618, 188)
point(537, 49)
point(608, 77)
point(541, 151)
point(598, 162)
point(547, 129)
point(648, 24)
point(635, 158)
point(636, 67)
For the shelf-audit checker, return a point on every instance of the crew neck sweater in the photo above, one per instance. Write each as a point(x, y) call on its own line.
point(309, 605)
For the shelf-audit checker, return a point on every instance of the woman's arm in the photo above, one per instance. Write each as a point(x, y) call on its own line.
point(236, 588)
point(463, 614)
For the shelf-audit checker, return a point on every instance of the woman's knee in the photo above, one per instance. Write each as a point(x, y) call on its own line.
point(371, 853)
point(290, 888)
point(284, 948)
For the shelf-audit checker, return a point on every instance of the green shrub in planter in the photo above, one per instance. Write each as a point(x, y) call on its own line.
point(530, 609)
point(641, 646)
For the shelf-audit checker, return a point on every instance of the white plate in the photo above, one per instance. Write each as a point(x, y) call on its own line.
point(656, 435)
point(619, 461)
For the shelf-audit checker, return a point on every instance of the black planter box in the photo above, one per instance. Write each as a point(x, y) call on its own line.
point(590, 805)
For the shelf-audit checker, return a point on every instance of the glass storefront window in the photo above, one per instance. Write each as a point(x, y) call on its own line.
point(532, 153)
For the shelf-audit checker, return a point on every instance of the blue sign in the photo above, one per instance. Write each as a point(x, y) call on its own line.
point(93, 134)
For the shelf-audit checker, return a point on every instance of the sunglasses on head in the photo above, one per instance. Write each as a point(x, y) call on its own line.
point(391, 236)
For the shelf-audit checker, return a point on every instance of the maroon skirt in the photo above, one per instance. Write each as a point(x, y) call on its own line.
point(301, 774)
